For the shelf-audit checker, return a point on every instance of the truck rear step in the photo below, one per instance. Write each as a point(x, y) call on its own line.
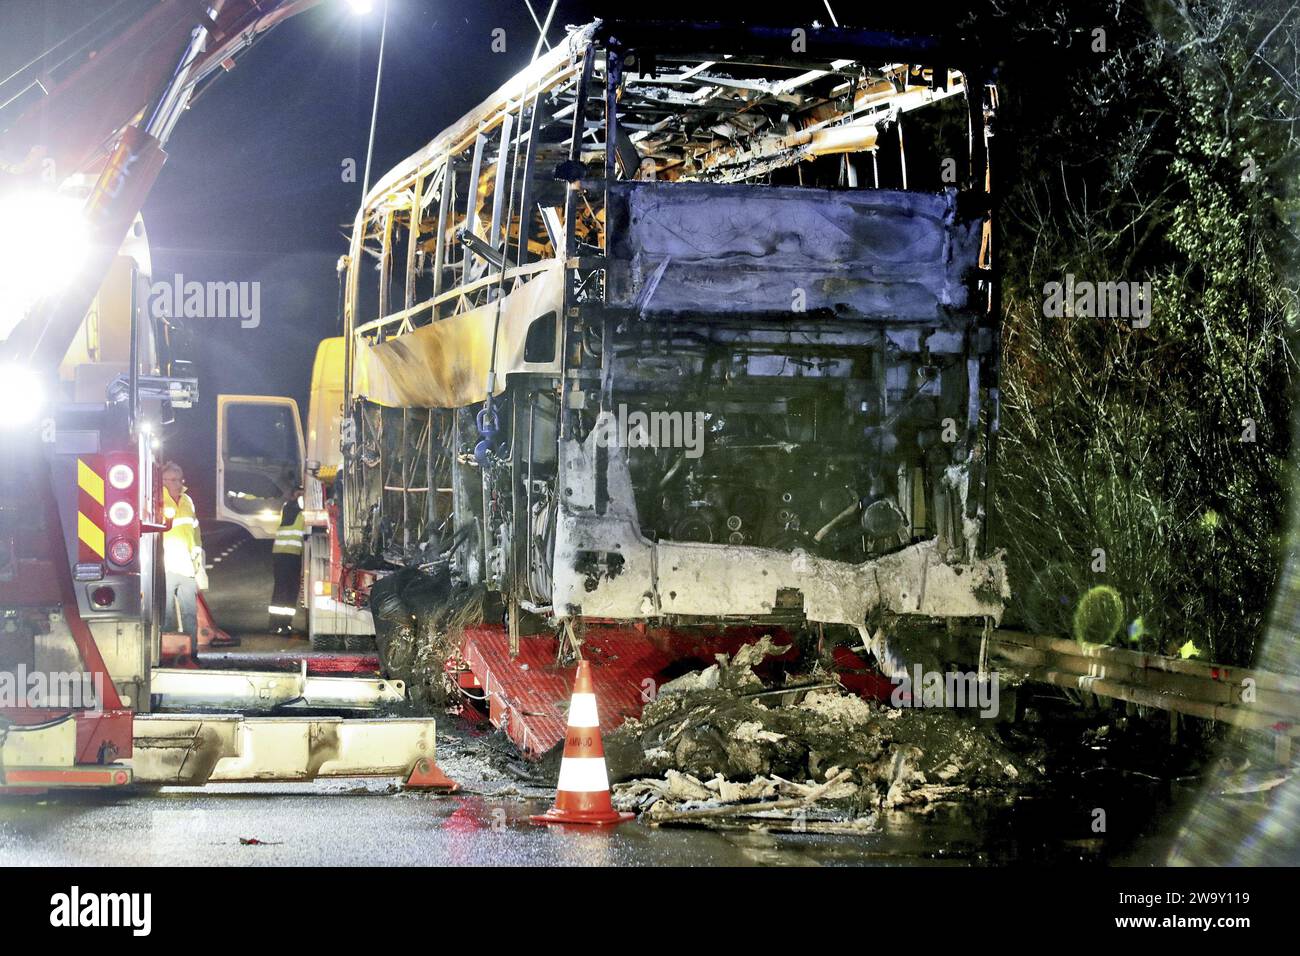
point(185, 691)
point(191, 750)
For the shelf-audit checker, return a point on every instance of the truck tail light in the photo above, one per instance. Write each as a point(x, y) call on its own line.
point(103, 596)
point(121, 551)
point(108, 515)
point(121, 513)
point(121, 477)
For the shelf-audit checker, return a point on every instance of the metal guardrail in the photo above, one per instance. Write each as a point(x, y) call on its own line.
point(1240, 696)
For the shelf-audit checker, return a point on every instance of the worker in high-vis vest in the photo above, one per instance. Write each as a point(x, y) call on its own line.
point(286, 564)
point(182, 554)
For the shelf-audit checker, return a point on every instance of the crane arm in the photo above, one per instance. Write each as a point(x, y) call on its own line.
point(111, 117)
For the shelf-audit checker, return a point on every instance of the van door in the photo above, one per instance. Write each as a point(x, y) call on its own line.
point(259, 459)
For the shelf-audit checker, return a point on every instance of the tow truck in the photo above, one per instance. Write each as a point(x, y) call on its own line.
point(87, 385)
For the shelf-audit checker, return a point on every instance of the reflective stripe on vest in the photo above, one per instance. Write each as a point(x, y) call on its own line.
point(288, 537)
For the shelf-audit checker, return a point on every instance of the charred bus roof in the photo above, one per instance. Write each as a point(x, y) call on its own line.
point(714, 102)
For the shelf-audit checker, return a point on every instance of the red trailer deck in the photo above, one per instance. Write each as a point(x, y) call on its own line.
point(528, 696)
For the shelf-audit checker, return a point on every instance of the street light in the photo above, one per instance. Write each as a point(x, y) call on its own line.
point(365, 6)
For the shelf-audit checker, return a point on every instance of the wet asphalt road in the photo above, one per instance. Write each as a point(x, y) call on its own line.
point(374, 823)
point(362, 824)
point(239, 572)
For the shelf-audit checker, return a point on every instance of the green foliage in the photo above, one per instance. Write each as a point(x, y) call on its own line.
point(1099, 616)
point(1167, 158)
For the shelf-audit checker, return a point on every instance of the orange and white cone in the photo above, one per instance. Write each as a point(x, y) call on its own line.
point(582, 795)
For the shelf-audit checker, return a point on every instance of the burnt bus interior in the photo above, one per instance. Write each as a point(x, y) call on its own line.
point(771, 248)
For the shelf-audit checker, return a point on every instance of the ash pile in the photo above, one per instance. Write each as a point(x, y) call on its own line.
point(719, 747)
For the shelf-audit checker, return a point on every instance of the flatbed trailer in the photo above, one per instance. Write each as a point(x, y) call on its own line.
point(525, 694)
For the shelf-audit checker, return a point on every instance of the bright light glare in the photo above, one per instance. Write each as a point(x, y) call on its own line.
point(22, 394)
point(43, 240)
point(361, 6)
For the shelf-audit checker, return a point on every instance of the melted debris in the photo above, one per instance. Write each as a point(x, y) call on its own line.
point(720, 748)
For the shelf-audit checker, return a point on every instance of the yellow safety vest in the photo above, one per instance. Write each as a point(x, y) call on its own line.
point(288, 537)
point(182, 545)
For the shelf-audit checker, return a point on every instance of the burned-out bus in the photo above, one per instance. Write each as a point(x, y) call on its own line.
point(687, 324)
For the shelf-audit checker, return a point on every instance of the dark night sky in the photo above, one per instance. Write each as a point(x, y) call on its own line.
point(253, 191)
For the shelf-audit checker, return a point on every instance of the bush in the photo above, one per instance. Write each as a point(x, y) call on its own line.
point(1166, 158)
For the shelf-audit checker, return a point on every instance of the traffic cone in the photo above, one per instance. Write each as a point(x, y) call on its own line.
point(209, 634)
point(582, 795)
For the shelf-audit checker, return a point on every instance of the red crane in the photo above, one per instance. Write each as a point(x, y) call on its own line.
point(111, 117)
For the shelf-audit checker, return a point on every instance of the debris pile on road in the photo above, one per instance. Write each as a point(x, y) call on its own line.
point(718, 745)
